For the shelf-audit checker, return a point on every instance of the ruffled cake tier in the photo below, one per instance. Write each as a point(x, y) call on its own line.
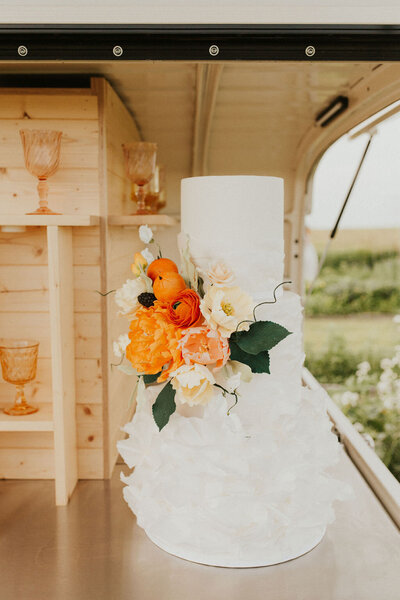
point(234, 491)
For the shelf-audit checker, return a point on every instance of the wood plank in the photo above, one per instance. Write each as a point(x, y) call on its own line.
point(137, 220)
point(101, 88)
point(49, 220)
point(27, 439)
point(90, 463)
point(24, 248)
point(79, 144)
point(87, 332)
point(39, 421)
point(25, 289)
point(71, 191)
point(22, 463)
point(87, 382)
point(86, 246)
point(38, 463)
point(44, 105)
point(30, 247)
point(63, 362)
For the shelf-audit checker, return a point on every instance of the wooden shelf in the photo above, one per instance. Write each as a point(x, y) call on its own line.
point(45, 220)
point(137, 220)
point(42, 420)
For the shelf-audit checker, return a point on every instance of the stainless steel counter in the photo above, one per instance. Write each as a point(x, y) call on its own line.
point(93, 549)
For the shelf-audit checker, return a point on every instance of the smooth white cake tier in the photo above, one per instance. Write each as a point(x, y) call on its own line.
point(237, 219)
point(217, 490)
point(286, 360)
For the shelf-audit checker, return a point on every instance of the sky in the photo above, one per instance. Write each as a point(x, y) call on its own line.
point(375, 200)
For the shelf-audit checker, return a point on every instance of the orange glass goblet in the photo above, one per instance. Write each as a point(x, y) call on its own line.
point(42, 158)
point(140, 164)
point(19, 364)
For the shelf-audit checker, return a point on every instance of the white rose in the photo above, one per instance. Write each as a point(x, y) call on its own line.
point(220, 274)
point(145, 234)
point(120, 345)
point(194, 384)
point(127, 296)
point(225, 307)
point(147, 255)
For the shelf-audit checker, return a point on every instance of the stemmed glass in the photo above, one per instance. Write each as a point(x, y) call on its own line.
point(140, 164)
point(162, 192)
point(42, 158)
point(18, 364)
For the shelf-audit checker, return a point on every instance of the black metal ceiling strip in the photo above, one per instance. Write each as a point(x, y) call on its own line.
point(200, 42)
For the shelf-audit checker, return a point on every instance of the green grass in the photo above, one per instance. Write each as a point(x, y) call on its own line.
point(336, 345)
point(357, 282)
point(344, 326)
point(360, 332)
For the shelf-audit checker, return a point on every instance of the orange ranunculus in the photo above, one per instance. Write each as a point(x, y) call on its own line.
point(204, 346)
point(154, 342)
point(184, 311)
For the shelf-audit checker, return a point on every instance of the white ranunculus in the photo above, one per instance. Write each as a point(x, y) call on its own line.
point(127, 296)
point(145, 234)
point(120, 345)
point(225, 307)
point(194, 384)
point(147, 255)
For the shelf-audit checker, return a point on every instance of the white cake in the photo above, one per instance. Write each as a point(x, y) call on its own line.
point(252, 488)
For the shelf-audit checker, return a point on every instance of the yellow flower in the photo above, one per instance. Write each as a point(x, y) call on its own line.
point(225, 307)
point(194, 384)
point(139, 264)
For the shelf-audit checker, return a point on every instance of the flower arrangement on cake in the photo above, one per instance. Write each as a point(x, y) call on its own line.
point(192, 330)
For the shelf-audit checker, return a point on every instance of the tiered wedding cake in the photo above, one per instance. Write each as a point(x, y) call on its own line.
point(250, 488)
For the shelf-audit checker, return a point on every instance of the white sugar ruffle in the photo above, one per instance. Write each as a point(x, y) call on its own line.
point(232, 490)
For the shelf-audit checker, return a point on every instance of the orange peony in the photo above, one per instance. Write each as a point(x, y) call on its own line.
point(204, 346)
point(154, 342)
point(184, 310)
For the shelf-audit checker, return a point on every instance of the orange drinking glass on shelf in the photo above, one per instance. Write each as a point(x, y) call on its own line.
point(42, 159)
point(19, 364)
point(140, 164)
point(152, 198)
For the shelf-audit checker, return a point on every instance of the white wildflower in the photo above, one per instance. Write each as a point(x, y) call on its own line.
point(120, 345)
point(145, 234)
point(147, 255)
point(349, 398)
point(386, 364)
point(362, 370)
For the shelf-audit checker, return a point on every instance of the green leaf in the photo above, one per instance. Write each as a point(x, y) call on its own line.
point(262, 335)
point(258, 363)
point(164, 406)
point(150, 378)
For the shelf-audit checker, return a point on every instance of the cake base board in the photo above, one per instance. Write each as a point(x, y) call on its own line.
point(208, 560)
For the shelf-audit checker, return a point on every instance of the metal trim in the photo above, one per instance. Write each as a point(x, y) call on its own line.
point(192, 42)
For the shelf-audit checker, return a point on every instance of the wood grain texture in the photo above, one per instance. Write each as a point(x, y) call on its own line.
point(61, 304)
point(116, 127)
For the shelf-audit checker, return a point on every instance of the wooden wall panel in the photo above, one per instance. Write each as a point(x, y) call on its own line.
point(24, 297)
point(117, 127)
